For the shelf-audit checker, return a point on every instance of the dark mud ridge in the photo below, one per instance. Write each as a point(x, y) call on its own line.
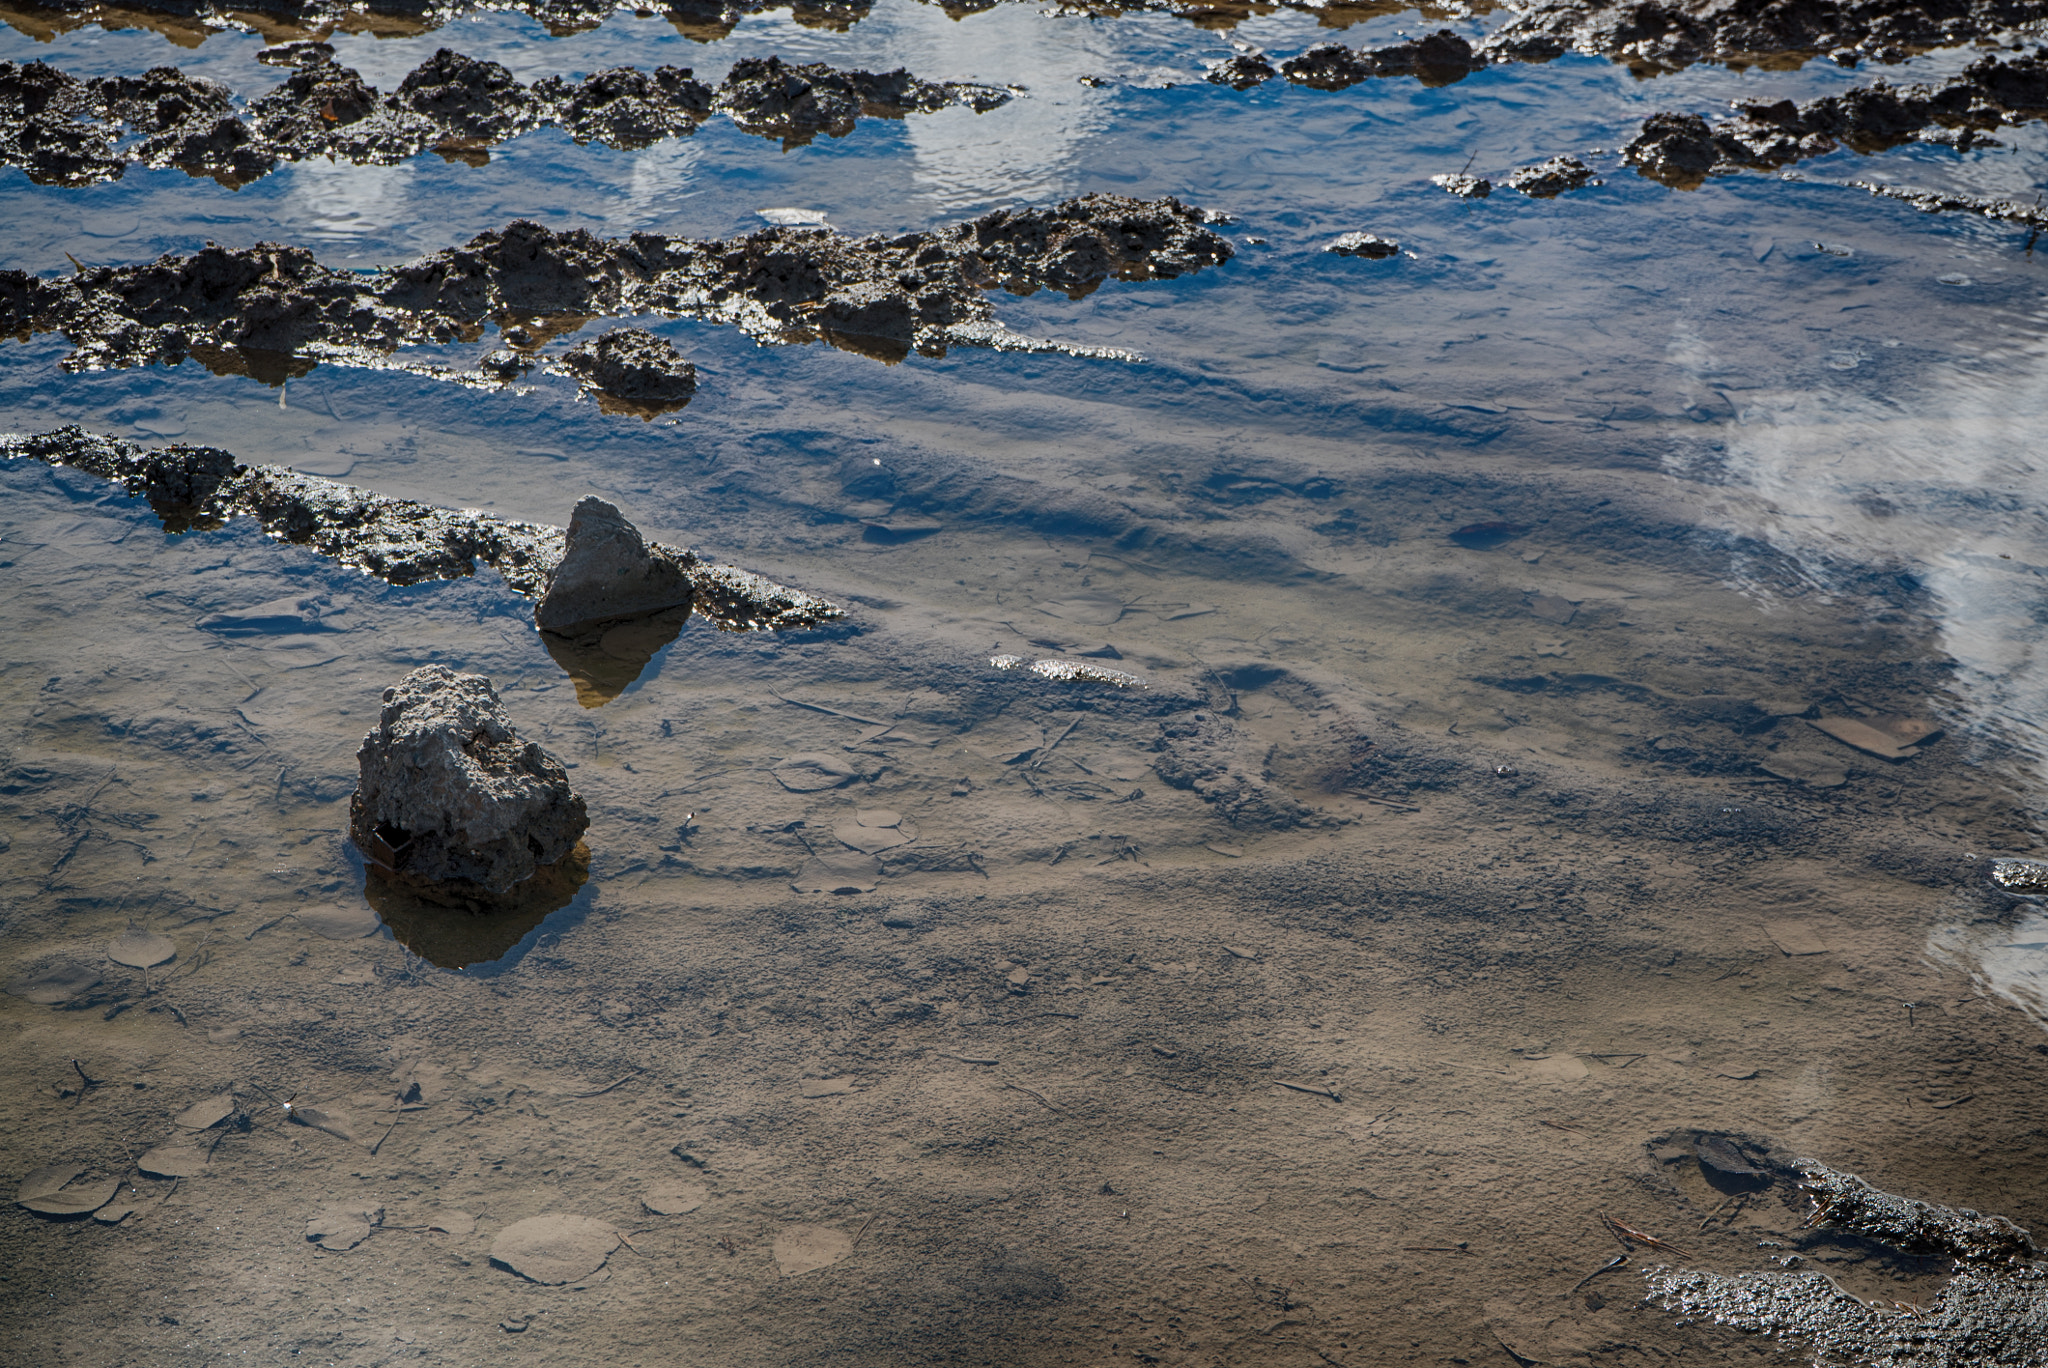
point(399, 541)
point(71, 132)
point(1651, 36)
point(265, 310)
point(1992, 1314)
point(1683, 150)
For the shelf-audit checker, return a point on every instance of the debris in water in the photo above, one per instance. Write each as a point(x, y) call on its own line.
point(139, 949)
point(803, 1249)
point(1091, 609)
point(207, 1114)
point(321, 1119)
point(554, 1249)
point(173, 1161)
point(874, 830)
point(449, 794)
point(813, 772)
point(339, 1229)
point(1068, 671)
point(676, 1199)
point(1856, 732)
point(1796, 937)
point(338, 921)
point(1365, 245)
point(838, 872)
point(59, 982)
point(47, 1191)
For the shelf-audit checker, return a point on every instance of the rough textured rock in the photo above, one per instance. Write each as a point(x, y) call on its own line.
point(449, 794)
point(1547, 180)
point(1683, 150)
point(1660, 35)
point(1992, 1314)
point(1204, 751)
point(1241, 72)
point(630, 370)
point(1463, 186)
point(609, 571)
point(1365, 245)
point(240, 310)
point(65, 131)
point(397, 540)
point(1438, 59)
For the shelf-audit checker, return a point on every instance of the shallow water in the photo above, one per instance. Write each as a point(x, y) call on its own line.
point(1563, 866)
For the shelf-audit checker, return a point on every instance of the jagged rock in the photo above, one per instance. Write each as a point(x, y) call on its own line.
point(1365, 245)
point(1241, 72)
point(630, 370)
point(450, 795)
point(1547, 180)
point(609, 571)
point(1463, 186)
point(1204, 752)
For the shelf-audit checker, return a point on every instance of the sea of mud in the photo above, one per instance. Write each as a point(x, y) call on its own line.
point(69, 132)
point(270, 309)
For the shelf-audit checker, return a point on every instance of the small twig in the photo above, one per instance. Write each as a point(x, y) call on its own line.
point(1517, 1355)
point(835, 712)
point(1038, 760)
point(1310, 1089)
point(864, 1227)
point(607, 1087)
point(1035, 1093)
point(1616, 1262)
point(1559, 1125)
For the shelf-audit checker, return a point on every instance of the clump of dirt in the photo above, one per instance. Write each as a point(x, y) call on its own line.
point(67, 131)
point(876, 295)
point(1662, 35)
point(397, 540)
point(1683, 150)
point(630, 370)
point(1548, 180)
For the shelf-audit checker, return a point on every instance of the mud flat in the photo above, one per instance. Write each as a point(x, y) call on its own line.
point(254, 310)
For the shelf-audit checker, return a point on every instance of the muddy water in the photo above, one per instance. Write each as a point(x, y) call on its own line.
point(1487, 597)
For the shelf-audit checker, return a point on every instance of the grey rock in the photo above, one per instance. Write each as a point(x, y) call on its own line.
point(449, 794)
point(608, 570)
point(1549, 179)
point(630, 370)
point(1365, 245)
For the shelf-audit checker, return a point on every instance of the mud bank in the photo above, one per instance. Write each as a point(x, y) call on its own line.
point(396, 540)
point(1683, 150)
point(65, 131)
point(253, 310)
point(1993, 1311)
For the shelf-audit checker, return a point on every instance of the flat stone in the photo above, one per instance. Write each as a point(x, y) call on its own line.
point(1796, 937)
point(801, 1249)
point(555, 1249)
point(211, 1112)
point(339, 921)
point(173, 1161)
point(139, 949)
point(812, 772)
point(675, 1199)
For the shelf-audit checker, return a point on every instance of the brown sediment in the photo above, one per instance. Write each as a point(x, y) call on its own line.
point(1683, 150)
point(274, 306)
point(1993, 1311)
point(68, 131)
point(396, 540)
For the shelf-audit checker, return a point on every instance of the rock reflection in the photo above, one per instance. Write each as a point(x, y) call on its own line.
point(457, 930)
point(604, 658)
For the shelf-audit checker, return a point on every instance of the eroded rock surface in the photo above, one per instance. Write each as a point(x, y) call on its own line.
point(1549, 179)
point(449, 794)
point(1367, 245)
point(68, 131)
point(1683, 150)
point(1992, 1314)
point(1438, 59)
point(397, 540)
point(630, 370)
point(924, 290)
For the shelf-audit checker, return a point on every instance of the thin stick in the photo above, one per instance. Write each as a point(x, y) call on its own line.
point(1035, 1093)
point(1039, 759)
point(1309, 1088)
point(609, 1086)
point(1613, 1263)
point(835, 712)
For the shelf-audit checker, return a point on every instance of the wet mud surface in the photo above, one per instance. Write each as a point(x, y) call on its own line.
point(262, 310)
point(69, 132)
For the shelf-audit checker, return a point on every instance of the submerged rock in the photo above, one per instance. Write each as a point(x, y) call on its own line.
point(449, 794)
point(630, 370)
point(608, 570)
point(1993, 1313)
